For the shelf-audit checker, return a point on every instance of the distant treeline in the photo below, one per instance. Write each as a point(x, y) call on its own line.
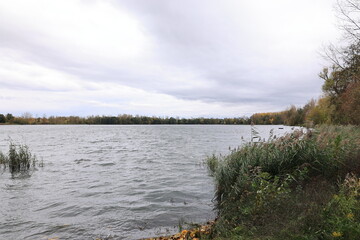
point(343, 108)
point(123, 119)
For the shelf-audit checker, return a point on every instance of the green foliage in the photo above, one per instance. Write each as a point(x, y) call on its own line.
point(9, 117)
point(268, 188)
point(2, 118)
point(321, 112)
point(293, 116)
point(278, 189)
point(341, 215)
point(268, 118)
point(212, 164)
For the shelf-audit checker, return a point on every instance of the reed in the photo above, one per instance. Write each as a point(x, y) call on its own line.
point(18, 160)
point(278, 189)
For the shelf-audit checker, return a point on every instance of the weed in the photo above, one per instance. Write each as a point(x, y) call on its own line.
point(342, 213)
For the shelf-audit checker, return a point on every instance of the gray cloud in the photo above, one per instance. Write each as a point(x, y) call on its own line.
point(229, 46)
point(223, 52)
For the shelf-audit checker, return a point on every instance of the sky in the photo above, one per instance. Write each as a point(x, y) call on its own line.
point(180, 58)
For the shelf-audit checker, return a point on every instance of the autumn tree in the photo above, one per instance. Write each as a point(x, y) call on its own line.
point(350, 104)
point(342, 78)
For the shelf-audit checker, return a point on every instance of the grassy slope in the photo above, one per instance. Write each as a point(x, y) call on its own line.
point(300, 186)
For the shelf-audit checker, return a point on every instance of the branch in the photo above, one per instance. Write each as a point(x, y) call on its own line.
point(347, 16)
point(357, 7)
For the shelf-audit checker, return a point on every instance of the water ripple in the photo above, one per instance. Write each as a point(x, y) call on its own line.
point(124, 182)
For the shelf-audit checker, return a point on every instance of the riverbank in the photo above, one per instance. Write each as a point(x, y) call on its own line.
point(304, 185)
point(199, 232)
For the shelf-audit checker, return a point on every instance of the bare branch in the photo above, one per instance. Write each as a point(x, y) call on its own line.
point(332, 53)
point(354, 5)
point(346, 15)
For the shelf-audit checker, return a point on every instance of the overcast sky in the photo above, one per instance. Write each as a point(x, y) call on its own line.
point(186, 58)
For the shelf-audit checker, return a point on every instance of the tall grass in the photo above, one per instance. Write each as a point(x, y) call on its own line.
point(278, 189)
point(18, 160)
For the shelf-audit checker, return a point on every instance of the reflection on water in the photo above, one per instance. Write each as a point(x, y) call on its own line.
point(123, 182)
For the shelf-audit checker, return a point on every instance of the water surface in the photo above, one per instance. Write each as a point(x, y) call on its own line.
point(121, 182)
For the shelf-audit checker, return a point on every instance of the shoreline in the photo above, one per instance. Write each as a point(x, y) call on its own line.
point(193, 233)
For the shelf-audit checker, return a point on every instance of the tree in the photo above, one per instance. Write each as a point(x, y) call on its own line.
point(350, 104)
point(348, 14)
point(344, 73)
point(9, 117)
point(2, 118)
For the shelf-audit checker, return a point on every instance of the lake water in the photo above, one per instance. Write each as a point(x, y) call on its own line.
point(111, 181)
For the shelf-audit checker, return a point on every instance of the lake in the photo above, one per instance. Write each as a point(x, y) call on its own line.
point(114, 181)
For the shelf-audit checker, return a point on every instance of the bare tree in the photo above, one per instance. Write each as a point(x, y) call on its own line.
point(348, 13)
point(344, 59)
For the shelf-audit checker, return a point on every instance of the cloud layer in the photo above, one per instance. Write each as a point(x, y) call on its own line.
point(165, 58)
